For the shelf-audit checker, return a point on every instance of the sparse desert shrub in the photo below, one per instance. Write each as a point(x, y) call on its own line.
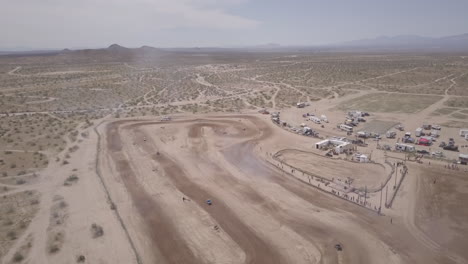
point(8, 222)
point(54, 248)
point(11, 235)
point(63, 204)
point(20, 181)
point(73, 149)
point(18, 257)
point(80, 259)
point(97, 230)
point(56, 244)
point(71, 179)
point(23, 225)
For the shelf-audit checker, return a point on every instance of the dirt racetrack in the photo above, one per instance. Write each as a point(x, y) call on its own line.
point(369, 174)
point(160, 175)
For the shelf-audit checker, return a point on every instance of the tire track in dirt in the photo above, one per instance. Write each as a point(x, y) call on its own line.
point(318, 236)
point(322, 236)
point(256, 249)
point(242, 156)
point(159, 227)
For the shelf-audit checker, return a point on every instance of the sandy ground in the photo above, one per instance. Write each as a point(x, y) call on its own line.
point(147, 182)
point(367, 174)
point(86, 204)
point(157, 176)
point(258, 215)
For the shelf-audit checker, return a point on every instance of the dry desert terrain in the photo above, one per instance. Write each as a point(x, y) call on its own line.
point(149, 156)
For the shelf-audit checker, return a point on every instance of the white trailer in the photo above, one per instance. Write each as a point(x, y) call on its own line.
point(419, 132)
point(346, 128)
point(463, 132)
point(404, 147)
point(363, 134)
point(322, 144)
point(315, 119)
point(343, 147)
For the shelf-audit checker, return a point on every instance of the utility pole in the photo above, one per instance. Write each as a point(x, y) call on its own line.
point(381, 190)
point(365, 196)
point(386, 195)
point(396, 176)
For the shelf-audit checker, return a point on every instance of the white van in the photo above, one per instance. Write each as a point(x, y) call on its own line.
point(324, 118)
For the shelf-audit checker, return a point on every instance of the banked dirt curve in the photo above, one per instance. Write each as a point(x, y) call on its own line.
point(259, 215)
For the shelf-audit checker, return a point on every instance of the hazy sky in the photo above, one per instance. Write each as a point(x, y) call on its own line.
point(188, 23)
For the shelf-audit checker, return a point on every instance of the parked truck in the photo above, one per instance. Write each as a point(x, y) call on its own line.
point(419, 132)
point(391, 134)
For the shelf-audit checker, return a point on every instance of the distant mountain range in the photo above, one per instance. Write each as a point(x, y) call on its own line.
point(112, 53)
point(115, 50)
point(409, 42)
point(402, 43)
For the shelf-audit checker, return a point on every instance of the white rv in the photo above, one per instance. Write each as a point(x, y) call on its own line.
point(346, 128)
point(324, 118)
point(404, 147)
point(315, 119)
point(363, 134)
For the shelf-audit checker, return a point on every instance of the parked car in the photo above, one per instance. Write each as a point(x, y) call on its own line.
point(451, 148)
point(423, 151)
point(436, 127)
